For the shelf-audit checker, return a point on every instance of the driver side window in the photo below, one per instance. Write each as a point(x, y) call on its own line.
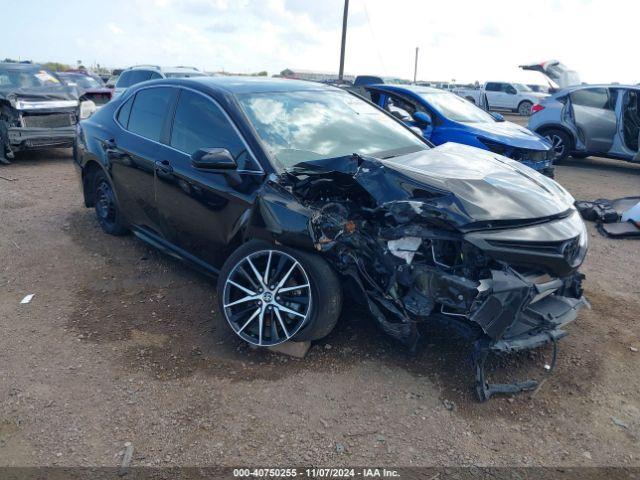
point(402, 108)
point(199, 123)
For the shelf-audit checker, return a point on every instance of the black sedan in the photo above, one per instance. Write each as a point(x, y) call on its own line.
point(292, 193)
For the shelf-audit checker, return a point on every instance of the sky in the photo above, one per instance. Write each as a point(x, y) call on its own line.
point(465, 40)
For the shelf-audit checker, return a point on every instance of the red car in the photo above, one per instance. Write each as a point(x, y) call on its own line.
point(89, 87)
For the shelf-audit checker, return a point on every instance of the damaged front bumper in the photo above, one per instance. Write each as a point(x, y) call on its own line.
point(536, 324)
point(507, 281)
point(31, 137)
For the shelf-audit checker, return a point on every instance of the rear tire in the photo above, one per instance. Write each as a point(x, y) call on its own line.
point(286, 314)
point(106, 206)
point(524, 109)
point(561, 143)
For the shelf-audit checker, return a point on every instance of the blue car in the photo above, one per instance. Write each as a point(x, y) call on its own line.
point(445, 117)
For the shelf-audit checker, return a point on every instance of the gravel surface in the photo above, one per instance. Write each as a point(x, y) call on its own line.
point(122, 344)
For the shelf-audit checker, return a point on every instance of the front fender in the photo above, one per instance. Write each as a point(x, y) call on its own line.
point(277, 216)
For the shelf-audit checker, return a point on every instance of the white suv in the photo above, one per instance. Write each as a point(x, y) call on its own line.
point(142, 73)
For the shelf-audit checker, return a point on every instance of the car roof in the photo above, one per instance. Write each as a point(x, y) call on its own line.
point(573, 88)
point(158, 68)
point(239, 85)
point(21, 65)
point(408, 88)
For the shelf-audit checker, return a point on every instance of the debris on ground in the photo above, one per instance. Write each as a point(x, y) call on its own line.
point(27, 298)
point(127, 456)
point(619, 422)
point(618, 218)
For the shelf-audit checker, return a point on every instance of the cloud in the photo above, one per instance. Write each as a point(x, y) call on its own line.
point(487, 42)
point(490, 31)
point(115, 29)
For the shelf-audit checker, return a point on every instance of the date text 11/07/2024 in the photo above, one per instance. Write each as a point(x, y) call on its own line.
point(315, 473)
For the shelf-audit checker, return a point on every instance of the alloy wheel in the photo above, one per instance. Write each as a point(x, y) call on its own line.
point(524, 109)
point(557, 143)
point(267, 297)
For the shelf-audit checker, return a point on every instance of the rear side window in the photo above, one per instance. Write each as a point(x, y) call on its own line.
point(148, 112)
point(123, 114)
point(154, 76)
point(594, 98)
point(200, 123)
point(138, 76)
point(124, 80)
point(493, 87)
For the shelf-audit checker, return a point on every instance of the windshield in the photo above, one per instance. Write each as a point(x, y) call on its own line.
point(184, 74)
point(26, 77)
point(312, 125)
point(82, 81)
point(521, 87)
point(455, 108)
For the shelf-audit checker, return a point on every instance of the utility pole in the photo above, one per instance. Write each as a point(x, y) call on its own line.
point(415, 68)
point(344, 38)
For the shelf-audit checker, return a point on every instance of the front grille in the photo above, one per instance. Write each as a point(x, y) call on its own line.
point(569, 249)
point(545, 247)
point(49, 120)
point(518, 154)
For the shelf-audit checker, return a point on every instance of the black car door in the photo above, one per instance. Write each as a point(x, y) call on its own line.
point(201, 209)
point(134, 150)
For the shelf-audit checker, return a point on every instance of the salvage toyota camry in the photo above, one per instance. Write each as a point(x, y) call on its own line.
point(292, 193)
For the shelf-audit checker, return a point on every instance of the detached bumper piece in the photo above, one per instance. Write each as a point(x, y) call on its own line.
point(539, 323)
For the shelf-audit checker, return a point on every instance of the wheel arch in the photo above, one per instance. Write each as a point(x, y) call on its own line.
point(89, 170)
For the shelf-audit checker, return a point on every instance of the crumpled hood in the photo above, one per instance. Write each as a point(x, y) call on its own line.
point(57, 92)
point(487, 186)
point(508, 133)
point(461, 186)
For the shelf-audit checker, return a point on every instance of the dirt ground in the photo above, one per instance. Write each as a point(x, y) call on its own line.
point(121, 344)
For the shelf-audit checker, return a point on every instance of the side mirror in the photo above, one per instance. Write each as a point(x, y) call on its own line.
point(213, 159)
point(422, 119)
point(497, 116)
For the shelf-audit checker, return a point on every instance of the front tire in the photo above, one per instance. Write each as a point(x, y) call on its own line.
point(106, 206)
point(270, 294)
point(561, 143)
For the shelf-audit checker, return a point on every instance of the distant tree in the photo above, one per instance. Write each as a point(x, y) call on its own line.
point(56, 67)
point(261, 74)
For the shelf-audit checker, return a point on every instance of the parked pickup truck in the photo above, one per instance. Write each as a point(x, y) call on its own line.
point(515, 97)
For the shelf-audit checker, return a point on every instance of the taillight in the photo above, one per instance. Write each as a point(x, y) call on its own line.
point(536, 108)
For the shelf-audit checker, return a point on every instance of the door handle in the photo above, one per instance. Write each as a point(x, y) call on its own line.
point(110, 144)
point(164, 166)
point(111, 149)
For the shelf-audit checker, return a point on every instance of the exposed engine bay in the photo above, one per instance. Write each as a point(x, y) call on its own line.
point(417, 260)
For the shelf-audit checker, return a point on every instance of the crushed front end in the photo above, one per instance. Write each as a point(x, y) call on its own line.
point(41, 123)
point(418, 257)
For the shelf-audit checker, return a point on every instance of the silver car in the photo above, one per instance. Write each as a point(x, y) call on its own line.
point(583, 120)
point(142, 73)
